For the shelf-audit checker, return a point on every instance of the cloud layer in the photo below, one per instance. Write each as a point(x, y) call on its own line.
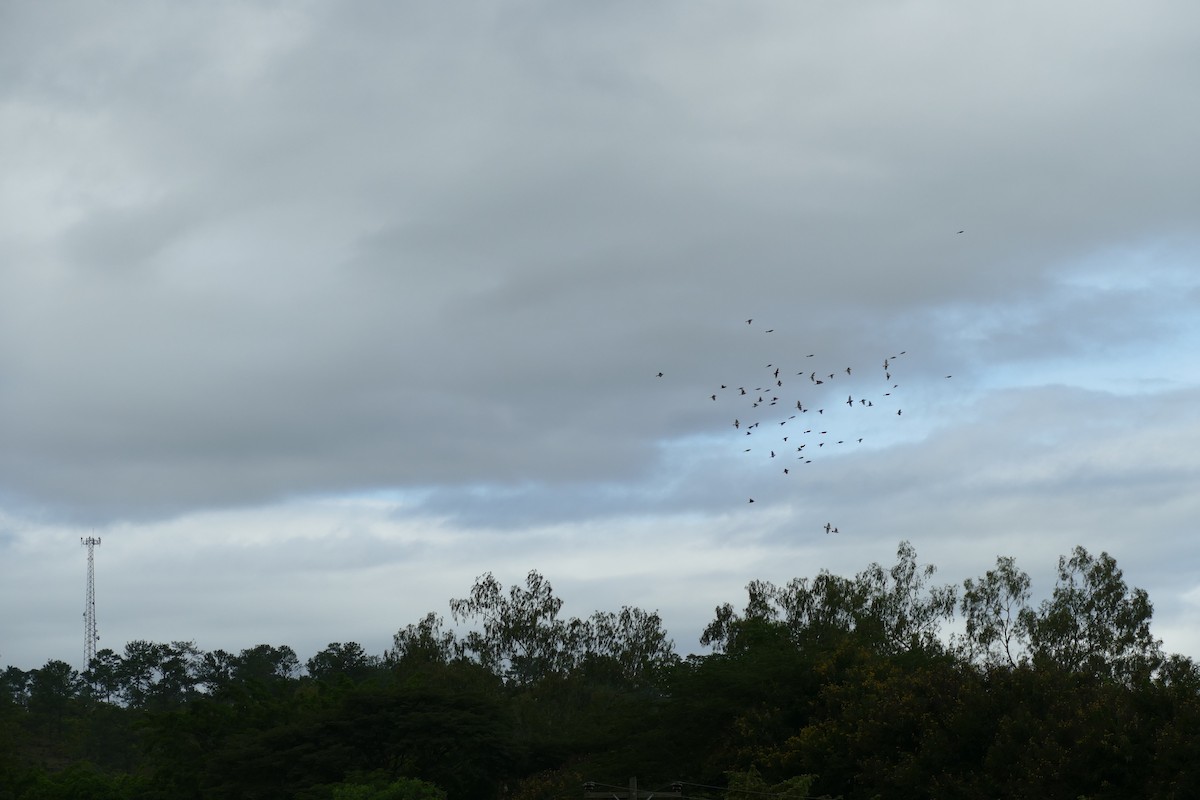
point(257, 257)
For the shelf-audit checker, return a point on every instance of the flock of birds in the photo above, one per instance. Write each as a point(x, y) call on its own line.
point(783, 410)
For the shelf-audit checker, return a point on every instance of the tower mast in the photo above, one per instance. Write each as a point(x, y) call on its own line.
point(90, 637)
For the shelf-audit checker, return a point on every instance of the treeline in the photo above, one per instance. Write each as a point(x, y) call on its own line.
point(828, 686)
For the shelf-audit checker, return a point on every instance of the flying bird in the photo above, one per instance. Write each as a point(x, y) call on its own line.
point(759, 399)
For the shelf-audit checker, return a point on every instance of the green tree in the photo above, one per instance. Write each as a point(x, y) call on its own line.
point(632, 641)
point(14, 686)
point(521, 637)
point(265, 664)
point(150, 673)
point(897, 609)
point(750, 785)
point(891, 610)
point(343, 662)
point(998, 617)
point(423, 643)
point(215, 670)
point(52, 691)
point(80, 781)
point(1093, 623)
point(382, 789)
point(104, 675)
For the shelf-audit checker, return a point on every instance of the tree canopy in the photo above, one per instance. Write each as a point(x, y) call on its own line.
point(826, 686)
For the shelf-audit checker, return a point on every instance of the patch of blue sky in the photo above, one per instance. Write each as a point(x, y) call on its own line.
point(1126, 327)
point(1150, 365)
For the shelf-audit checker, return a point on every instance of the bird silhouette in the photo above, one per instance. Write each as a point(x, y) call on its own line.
point(762, 394)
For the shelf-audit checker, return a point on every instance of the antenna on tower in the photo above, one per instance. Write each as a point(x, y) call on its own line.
point(90, 637)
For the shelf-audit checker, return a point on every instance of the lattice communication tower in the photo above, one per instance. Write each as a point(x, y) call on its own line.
point(90, 637)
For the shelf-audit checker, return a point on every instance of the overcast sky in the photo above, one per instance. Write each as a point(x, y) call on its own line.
point(313, 312)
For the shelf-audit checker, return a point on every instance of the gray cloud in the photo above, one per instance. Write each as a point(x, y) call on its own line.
point(255, 254)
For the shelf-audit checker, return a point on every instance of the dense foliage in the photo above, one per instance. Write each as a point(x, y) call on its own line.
point(827, 686)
